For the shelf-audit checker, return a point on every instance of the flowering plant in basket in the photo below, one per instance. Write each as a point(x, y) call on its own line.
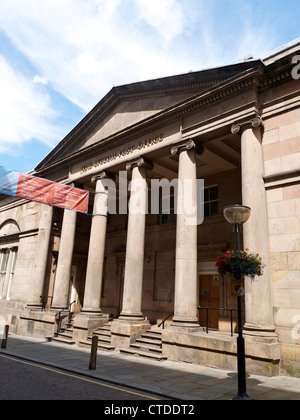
point(240, 264)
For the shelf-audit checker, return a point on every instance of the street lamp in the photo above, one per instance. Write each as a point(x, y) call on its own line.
point(237, 215)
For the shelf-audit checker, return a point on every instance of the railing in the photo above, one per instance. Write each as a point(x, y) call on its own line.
point(59, 316)
point(162, 323)
point(231, 310)
point(219, 309)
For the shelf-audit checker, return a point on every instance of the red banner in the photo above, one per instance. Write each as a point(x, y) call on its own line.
point(52, 193)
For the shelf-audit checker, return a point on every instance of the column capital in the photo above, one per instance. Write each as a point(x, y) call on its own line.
point(103, 175)
point(140, 162)
point(187, 145)
point(254, 122)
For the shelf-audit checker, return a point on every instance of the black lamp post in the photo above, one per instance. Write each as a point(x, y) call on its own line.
point(237, 215)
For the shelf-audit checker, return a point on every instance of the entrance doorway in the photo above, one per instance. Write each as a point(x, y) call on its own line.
point(209, 288)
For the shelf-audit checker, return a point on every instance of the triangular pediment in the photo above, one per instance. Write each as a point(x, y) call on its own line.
point(126, 106)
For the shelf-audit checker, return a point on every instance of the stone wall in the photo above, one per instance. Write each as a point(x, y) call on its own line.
point(281, 148)
point(23, 219)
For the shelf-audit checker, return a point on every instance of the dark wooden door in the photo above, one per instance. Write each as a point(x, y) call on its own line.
point(209, 286)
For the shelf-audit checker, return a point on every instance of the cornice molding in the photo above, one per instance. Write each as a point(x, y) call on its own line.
point(17, 236)
point(275, 78)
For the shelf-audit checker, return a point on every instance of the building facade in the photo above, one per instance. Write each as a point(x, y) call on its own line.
point(235, 127)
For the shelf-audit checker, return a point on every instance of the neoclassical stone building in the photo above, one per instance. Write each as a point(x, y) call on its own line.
point(237, 128)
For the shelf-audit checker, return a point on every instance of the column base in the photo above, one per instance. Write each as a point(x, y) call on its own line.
point(262, 349)
point(265, 332)
point(91, 312)
point(125, 331)
point(131, 316)
point(188, 324)
point(86, 322)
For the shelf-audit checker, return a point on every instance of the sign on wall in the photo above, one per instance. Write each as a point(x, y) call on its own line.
point(41, 190)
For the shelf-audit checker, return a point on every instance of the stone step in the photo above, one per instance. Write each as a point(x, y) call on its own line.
point(62, 339)
point(101, 345)
point(149, 345)
point(69, 329)
point(142, 353)
point(149, 341)
point(104, 339)
point(64, 336)
point(146, 347)
point(102, 333)
point(106, 327)
point(67, 334)
point(151, 336)
point(154, 333)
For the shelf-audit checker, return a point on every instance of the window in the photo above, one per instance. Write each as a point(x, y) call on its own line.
point(7, 271)
point(3, 269)
point(211, 201)
point(14, 253)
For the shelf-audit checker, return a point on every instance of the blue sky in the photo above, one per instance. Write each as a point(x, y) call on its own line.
point(58, 58)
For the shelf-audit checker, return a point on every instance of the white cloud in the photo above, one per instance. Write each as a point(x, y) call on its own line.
point(40, 79)
point(167, 17)
point(84, 48)
point(25, 111)
point(81, 49)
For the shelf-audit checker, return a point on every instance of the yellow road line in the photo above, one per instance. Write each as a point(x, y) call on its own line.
point(78, 377)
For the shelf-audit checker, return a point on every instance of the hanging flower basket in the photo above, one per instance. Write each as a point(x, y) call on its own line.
point(240, 264)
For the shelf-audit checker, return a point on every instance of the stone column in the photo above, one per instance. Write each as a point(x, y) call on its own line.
point(258, 303)
point(64, 263)
point(134, 262)
point(41, 257)
point(94, 275)
point(186, 287)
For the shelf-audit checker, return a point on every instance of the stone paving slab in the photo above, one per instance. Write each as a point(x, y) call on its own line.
point(172, 380)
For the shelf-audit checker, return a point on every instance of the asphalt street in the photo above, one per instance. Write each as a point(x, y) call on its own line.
point(22, 380)
point(33, 368)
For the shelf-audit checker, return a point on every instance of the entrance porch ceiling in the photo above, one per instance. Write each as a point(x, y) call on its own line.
point(220, 155)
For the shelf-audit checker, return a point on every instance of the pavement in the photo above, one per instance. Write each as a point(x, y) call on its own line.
point(168, 380)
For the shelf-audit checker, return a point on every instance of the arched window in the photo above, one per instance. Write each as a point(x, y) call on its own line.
point(9, 227)
point(9, 238)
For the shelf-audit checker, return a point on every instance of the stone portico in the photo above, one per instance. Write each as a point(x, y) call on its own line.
point(235, 127)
